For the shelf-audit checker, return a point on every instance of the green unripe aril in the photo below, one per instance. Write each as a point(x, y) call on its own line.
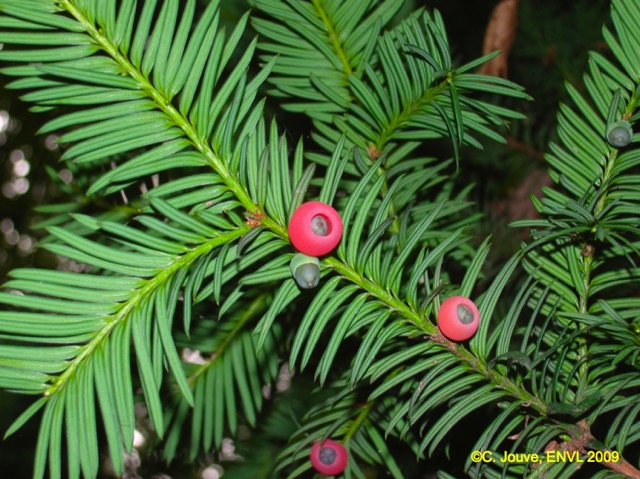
point(619, 133)
point(305, 270)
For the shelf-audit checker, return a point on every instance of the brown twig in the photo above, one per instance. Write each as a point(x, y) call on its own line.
point(500, 35)
point(523, 147)
point(623, 467)
point(579, 443)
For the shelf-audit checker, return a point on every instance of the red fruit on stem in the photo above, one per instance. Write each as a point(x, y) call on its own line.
point(458, 318)
point(329, 458)
point(315, 228)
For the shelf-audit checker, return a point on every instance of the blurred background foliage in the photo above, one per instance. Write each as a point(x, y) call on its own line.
point(550, 48)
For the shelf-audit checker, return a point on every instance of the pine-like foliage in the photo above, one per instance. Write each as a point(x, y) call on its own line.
point(154, 102)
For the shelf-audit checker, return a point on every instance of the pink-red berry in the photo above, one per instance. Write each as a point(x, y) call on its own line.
point(329, 457)
point(458, 318)
point(315, 228)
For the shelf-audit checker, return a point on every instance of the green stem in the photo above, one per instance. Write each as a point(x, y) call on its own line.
point(587, 265)
point(358, 421)
point(427, 328)
point(164, 104)
point(407, 113)
point(396, 123)
point(145, 291)
point(334, 38)
point(248, 313)
point(583, 345)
